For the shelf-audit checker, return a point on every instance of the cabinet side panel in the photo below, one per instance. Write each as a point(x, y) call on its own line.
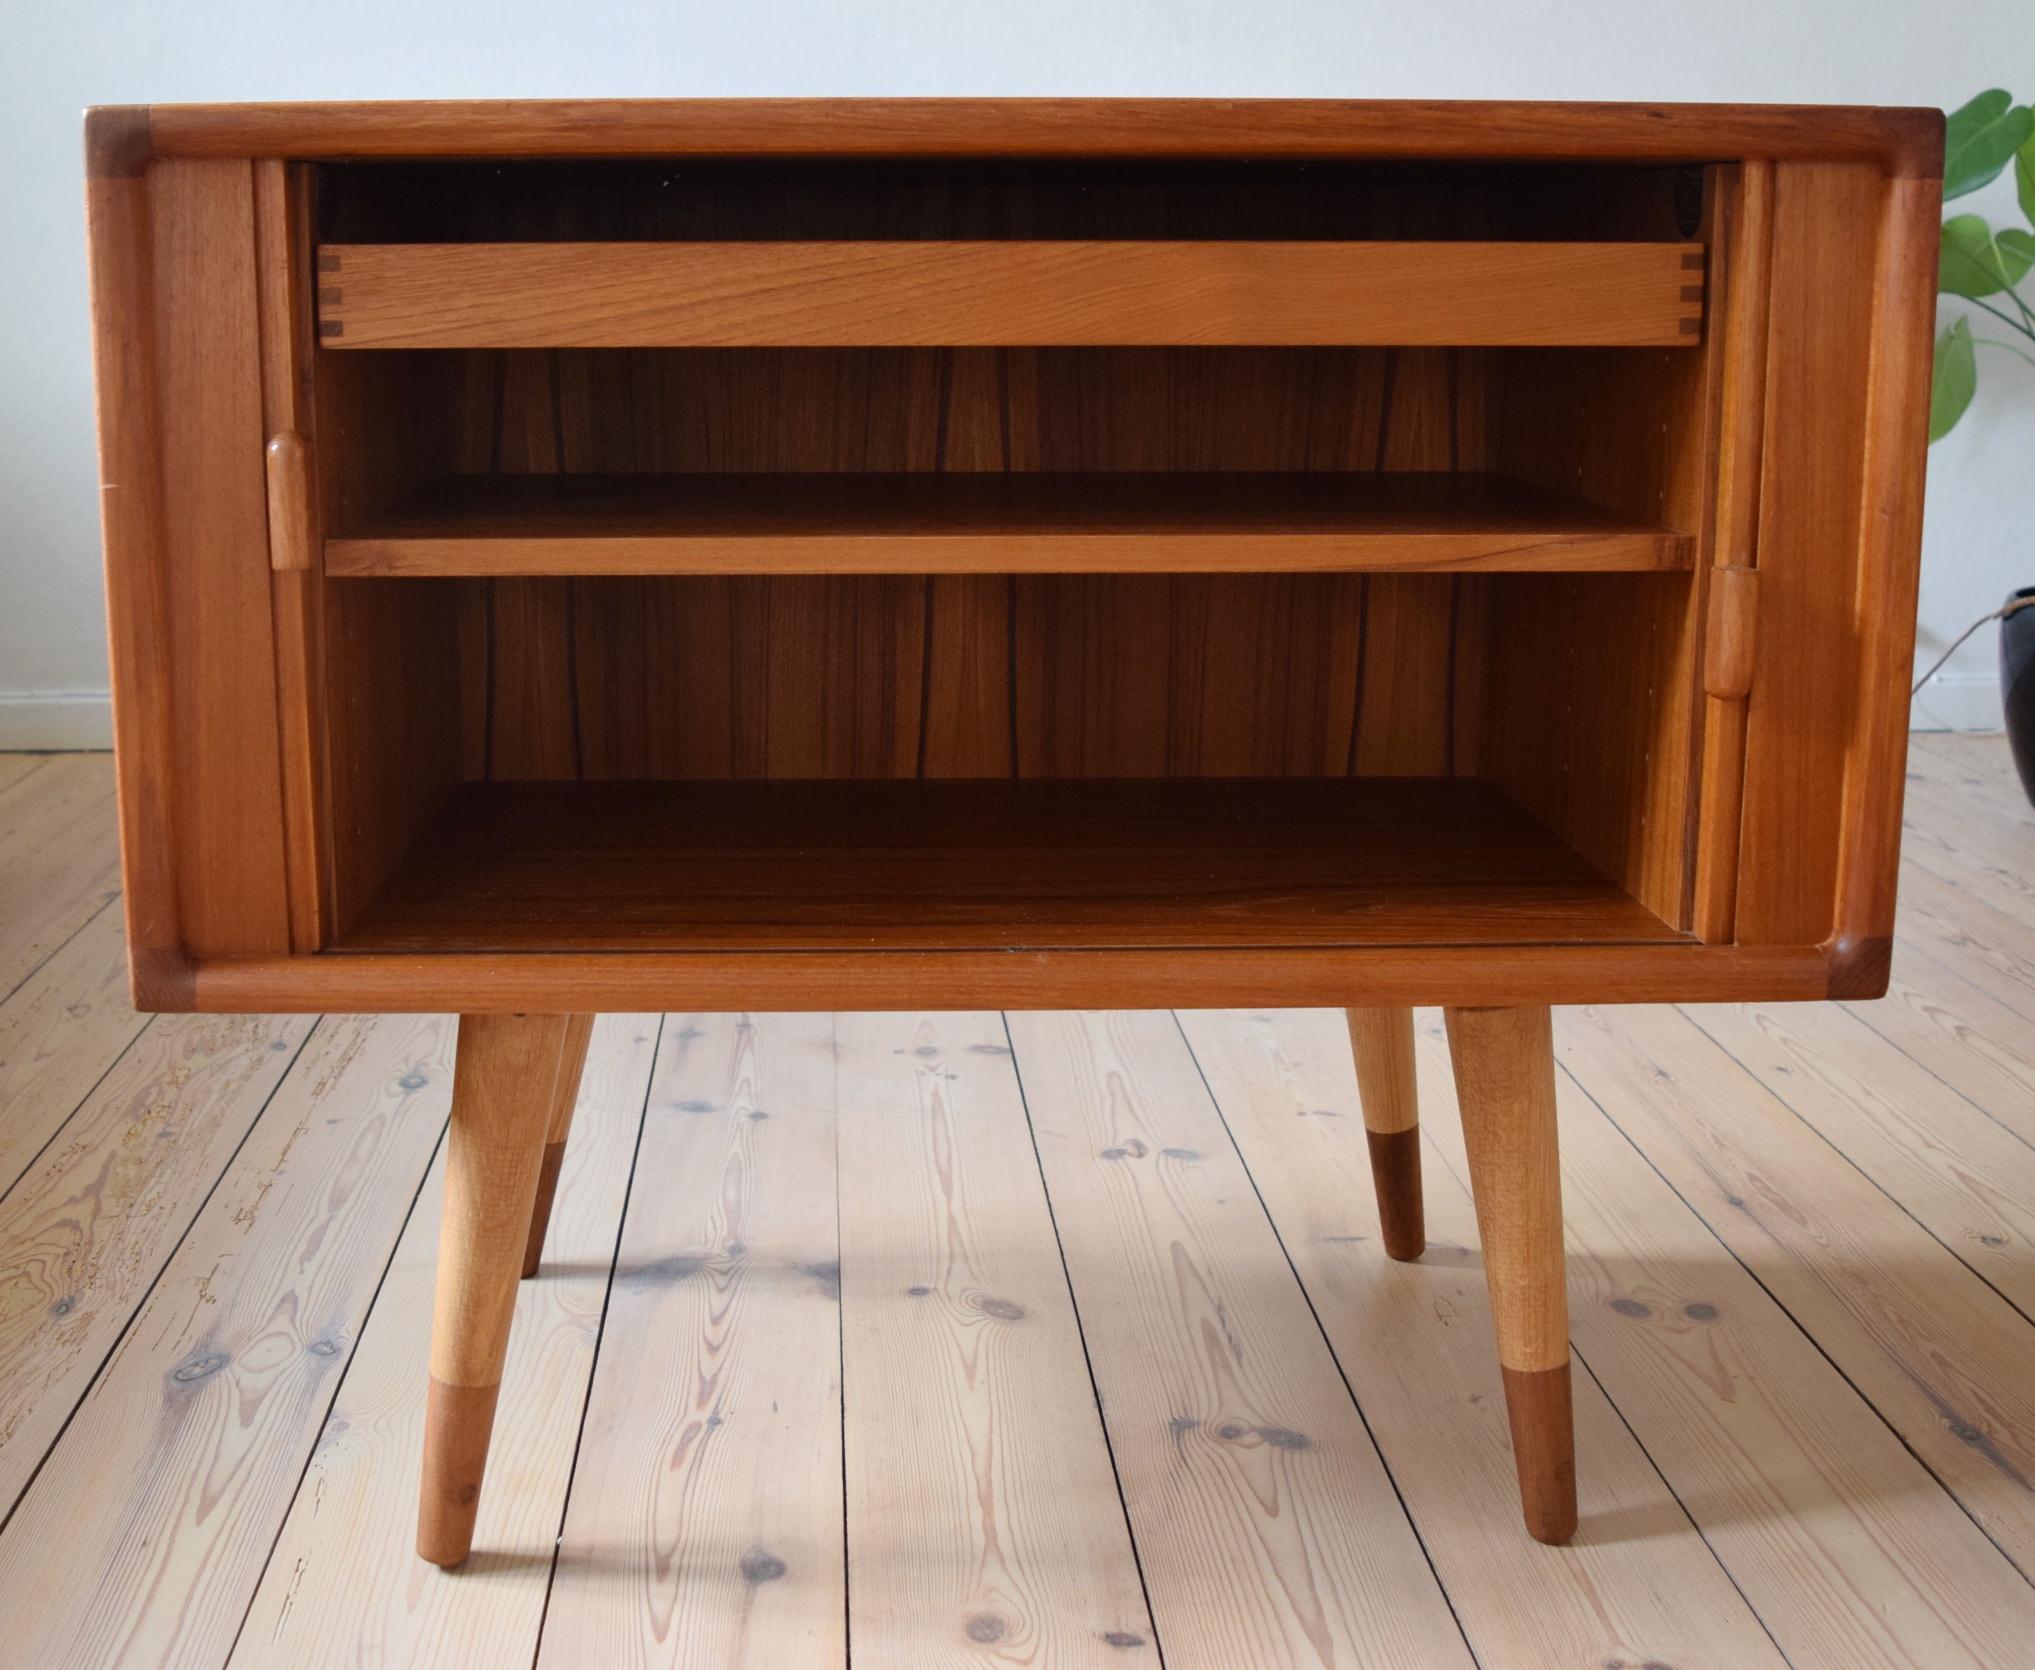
point(130, 508)
point(226, 777)
point(1803, 715)
point(1590, 693)
point(1897, 448)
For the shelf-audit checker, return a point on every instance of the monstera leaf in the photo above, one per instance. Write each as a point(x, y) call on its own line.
point(1982, 138)
point(1982, 265)
point(1954, 381)
point(1976, 263)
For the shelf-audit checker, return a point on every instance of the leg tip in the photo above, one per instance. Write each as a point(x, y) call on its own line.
point(457, 1424)
point(1395, 1174)
point(1404, 1242)
point(1544, 1450)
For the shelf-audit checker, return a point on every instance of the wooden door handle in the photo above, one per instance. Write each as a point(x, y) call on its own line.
point(1733, 636)
point(292, 547)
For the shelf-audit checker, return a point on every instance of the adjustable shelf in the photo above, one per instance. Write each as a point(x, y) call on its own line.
point(959, 292)
point(930, 523)
point(1053, 864)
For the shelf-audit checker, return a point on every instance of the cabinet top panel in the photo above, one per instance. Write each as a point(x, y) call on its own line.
point(121, 138)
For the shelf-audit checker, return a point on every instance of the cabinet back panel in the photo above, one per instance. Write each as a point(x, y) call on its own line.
point(711, 199)
point(964, 676)
point(958, 676)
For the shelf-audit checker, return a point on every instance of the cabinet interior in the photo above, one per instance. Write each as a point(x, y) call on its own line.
point(1390, 745)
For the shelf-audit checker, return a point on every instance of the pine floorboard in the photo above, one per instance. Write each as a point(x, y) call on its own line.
point(1043, 1340)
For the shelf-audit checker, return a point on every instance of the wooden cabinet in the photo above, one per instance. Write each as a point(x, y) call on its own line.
point(791, 554)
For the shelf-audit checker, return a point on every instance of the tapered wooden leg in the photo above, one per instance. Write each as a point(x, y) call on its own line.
point(502, 1091)
point(1504, 1064)
point(564, 1098)
point(1382, 1042)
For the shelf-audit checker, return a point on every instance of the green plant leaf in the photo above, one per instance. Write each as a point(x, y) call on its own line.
point(1981, 138)
point(1973, 263)
point(1953, 379)
point(2017, 253)
point(2024, 178)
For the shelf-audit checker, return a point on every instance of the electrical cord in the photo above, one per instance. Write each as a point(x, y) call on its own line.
point(1957, 643)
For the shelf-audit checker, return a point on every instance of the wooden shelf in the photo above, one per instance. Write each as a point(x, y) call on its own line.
point(961, 293)
point(950, 523)
point(991, 865)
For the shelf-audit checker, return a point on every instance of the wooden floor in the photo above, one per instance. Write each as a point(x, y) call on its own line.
point(1029, 1339)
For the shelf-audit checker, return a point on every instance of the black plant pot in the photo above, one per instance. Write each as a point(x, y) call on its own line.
point(2017, 684)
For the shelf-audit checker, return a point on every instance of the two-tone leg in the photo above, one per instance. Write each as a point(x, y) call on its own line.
point(1382, 1042)
point(564, 1098)
point(1504, 1066)
point(502, 1095)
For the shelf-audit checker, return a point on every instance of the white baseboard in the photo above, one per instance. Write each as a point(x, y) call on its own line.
point(1958, 702)
point(60, 719)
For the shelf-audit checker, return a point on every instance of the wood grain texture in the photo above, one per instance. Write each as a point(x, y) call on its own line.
point(292, 544)
point(1962, 1034)
point(389, 693)
point(1795, 1489)
point(1634, 1587)
point(146, 1534)
point(1746, 230)
point(93, 1216)
point(502, 1095)
point(1908, 141)
point(564, 1100)
point(59, 1033)
point(1013, 293)
point(1940, 1355)
point(1031, 523)
point(705, 1525)
point(983, 1520)
point(1731, 640)
point(1289, 291)
point(973, 865)
point(1591, 689)
point(1979, 840)
point(121, 263)
point(1381, 1043)
point(1973, 842)
point(840, 676)
point(1823, 1518)
point(1214, 977)
point(59, 861)
point(1958, 1170)
point(1895, 462)
point(393, 711)
point(225, 767)
point(1269, 1531)
point(343, 1587)
point(1801, 723)
point(1963, 927)
point(1963, 764)
point(1504, 1068)
point(282, 228)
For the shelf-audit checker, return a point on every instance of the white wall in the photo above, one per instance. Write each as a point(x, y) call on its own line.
point(56, 56)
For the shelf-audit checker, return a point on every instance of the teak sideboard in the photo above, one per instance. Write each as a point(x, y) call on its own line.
point(883, 554)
